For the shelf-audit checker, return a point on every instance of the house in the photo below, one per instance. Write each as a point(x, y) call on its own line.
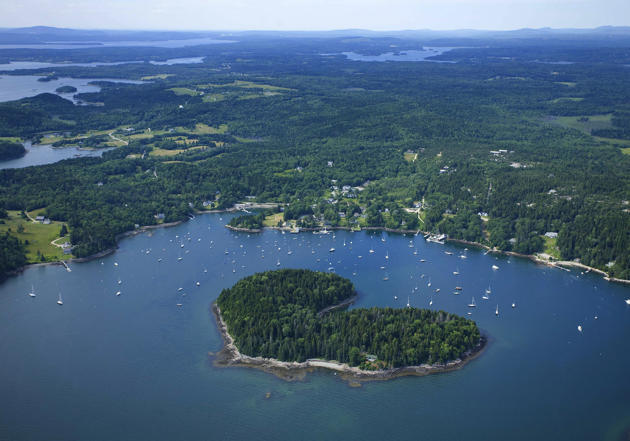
point(40, 218)
point(46, 221)
point(551, 234)
point(159, 216)
point(330, 163)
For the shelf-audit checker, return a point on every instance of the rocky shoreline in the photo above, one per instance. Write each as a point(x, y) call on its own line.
point(229, 355)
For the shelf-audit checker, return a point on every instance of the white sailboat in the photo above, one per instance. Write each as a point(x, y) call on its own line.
point(32, 293)
point(59, 301)
point(429, 284)
point(496, 312)
point(486, 295)
point(408, 305)
point(431, 301)
point(387, 255)
point(472, 304)
point(456, 272)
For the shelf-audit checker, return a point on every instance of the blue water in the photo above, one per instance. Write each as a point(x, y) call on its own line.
point(131, 43)
point(408, 55)
point(17, 65)
point(47, 154)
point(136, 366)
point(15, 87)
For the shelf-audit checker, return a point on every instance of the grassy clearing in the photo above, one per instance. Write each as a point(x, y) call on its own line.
point(273, 219)
point(565, 99)
point(213, 97)
point(551, 247)
point(626, 151)
point(585, 123)
point(10, 139)
point(410, 157)
point(246, 85)
point(38, 236)
point(157, 77)
point(566, 83)
point(204, 129)
point(184, 91)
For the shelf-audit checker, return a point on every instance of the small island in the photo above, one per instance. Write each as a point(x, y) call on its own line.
point(292, 320)
point(247, 222)
point(66, 89)
point(11, 150)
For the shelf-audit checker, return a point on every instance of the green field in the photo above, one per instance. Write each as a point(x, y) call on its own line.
point(585, 123)
point(38, 236)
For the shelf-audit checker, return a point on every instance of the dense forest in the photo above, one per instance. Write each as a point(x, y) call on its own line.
point(486, 147)
point(278, 314)
point(11, 150)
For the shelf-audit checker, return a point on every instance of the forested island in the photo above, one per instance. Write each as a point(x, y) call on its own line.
point(291, 315)
point(518, 145)
point(66, 89)
point(11, 150)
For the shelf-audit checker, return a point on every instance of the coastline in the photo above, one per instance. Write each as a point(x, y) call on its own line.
point(556, 264)
point(229, 355)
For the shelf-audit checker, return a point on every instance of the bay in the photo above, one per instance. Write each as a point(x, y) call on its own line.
point(136, 366)
point(37, 154)
point(15, 87)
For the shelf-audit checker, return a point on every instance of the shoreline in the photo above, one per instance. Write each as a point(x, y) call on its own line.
point(534, 258)
point(229, 355)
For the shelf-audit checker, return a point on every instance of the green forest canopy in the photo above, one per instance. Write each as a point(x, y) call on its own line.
point(275, 314)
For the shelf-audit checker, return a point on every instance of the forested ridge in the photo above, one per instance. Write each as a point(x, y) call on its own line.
point(275, 314)
point(486, 149)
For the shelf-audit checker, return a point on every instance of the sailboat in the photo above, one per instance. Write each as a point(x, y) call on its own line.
point(431, 301)
point(486, 295)
point(32, 293)
point(408, 305)
point(496, 312)
point(472, 304)
point(456, 272)
point(278, 262)
point(387, 255)
point(59, 301)
point(429, 284)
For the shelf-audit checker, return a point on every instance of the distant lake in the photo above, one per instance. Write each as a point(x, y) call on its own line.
point(15, 87)
point(47, 154)
point(17, 65)
point(410, 55)
point(137, 367)
point(88, 44)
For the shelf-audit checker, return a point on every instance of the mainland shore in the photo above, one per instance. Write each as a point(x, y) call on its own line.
point(229, 355)
point(535, 258)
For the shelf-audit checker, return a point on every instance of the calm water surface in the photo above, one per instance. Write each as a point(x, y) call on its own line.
point(136, 366)
point(15, 87)
point(47, 154)
point(17, 65)
point(410, 55)
point(143, 43)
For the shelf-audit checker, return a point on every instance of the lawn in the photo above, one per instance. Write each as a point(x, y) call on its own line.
point(273, 219)
point(38, 236)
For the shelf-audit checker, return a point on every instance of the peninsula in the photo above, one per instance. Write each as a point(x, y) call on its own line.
point(294, 320)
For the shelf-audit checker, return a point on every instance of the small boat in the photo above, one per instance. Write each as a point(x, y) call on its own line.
point(513, 305)
point(448, 253)
point(627, 301)
point(289, 252)
point(395, 297)
point(118, 293)
point(387, 255)
point(458, 288)
point(580, 328)
point(422, 260)
point(160, 259)
point(32, 292)
point(59, 301)
point(332, 250)
point(431, 301)
point(371, 251)
point(472, 304)
point(429, 284)
point(115, 263)
point(488, 290)
point(496, 312)
point(437, 289)
point(179, 304)
point(278, 263)
point(179, 259)
point(456, 272)
point(198, 284)
point(408, 305)
point(494, 267)
point(180, 289)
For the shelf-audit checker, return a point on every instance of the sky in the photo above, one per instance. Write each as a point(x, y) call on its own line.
point(314, 14)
